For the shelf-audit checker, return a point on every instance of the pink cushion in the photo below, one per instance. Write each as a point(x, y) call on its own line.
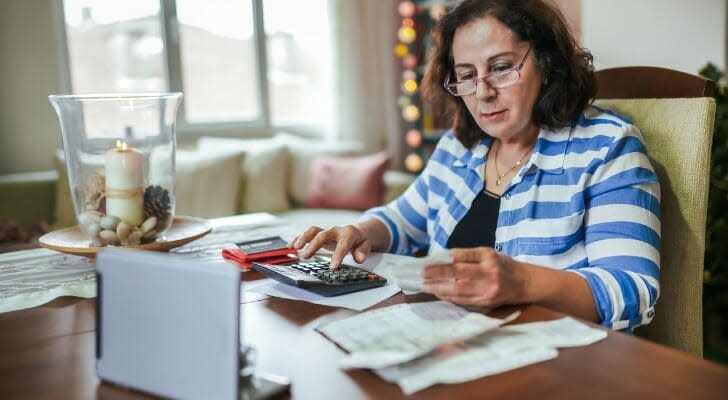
point(354, 183)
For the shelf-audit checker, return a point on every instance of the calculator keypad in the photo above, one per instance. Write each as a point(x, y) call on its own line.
point(343, 274)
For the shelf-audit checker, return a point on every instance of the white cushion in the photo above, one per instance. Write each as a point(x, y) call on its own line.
point(263, 171)
point(206, 183)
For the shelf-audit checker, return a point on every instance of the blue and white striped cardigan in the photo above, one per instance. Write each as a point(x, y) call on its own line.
point(588, 201)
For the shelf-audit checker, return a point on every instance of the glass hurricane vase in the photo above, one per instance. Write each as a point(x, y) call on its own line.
point(120, 155)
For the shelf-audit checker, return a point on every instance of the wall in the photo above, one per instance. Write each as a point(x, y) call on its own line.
point(677, 34)
point(29, 72)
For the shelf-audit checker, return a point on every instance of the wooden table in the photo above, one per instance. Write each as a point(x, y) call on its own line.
point(48, 353)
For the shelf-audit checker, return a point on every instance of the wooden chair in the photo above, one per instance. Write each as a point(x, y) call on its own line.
point(675, 112)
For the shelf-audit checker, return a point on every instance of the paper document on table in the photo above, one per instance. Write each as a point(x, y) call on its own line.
point(564, 332)
point(496, 351)
point(403, 332)
point(357, 301)
point(404, 271)
point(484, 356)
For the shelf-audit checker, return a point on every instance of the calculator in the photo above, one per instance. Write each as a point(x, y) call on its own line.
point(318, 277)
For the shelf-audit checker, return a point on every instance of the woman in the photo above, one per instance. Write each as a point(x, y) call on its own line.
point(541, 197)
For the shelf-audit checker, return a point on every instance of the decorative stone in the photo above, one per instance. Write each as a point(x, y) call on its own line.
point(150, 235)
point(110, 222)
point(93, 230)
point(149, 224)
point(123, 230)
point(89, 217)
point(108, 236)
point(134, 238)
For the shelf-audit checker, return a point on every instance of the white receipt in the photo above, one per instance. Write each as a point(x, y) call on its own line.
point(408, 275)
point(404, 332)
point(564, 332)
point(496, 351)
point(473, 362)
point(404, 271)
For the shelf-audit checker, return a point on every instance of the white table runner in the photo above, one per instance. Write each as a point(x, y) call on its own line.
point(29, 278)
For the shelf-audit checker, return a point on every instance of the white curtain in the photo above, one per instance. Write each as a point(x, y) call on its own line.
point(366, 74)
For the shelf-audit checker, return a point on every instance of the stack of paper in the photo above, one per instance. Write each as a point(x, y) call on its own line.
point(422, 344)
point(403, 332)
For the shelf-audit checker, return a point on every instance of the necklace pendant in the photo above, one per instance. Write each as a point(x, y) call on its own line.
point(497, 182)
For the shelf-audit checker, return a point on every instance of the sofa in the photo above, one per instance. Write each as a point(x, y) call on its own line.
point(306, 181)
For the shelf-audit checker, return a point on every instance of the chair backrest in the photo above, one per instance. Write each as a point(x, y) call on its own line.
point(675, 112)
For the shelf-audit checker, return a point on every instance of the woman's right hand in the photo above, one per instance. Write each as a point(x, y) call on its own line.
point(340, 239)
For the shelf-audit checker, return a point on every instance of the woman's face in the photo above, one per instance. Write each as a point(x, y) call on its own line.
point(485, 46)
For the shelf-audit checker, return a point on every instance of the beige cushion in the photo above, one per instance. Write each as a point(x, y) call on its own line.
point(263, 172)
point(206, 183)
point(679, 136)
point(303, 151)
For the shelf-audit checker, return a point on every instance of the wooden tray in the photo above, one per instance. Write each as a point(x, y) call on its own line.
point(73, 241)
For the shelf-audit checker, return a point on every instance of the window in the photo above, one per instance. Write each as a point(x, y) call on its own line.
point(244, 66)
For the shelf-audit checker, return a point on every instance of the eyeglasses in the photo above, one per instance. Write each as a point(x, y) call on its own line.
point(496, 80)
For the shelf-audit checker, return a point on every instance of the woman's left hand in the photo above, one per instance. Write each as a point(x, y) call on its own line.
point(479, 277)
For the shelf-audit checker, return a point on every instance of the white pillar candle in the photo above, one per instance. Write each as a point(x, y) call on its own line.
point(125, 184)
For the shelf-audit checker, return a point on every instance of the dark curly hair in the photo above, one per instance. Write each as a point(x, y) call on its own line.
point(567, 69)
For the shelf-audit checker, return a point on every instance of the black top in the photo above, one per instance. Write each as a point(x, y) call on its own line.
point(477, 228)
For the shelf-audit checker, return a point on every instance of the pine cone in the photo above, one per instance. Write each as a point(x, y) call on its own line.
point(156, 202)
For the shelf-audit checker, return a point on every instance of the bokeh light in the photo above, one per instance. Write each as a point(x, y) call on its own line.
point(401, 50)
point(411, 113)
point(409, 61)
point(408, 22)
point(410, 86)
point(409, 74)
point(406, 34)
point(413, 162)
point(407, 9)
point(413, 138)
point(404, 101)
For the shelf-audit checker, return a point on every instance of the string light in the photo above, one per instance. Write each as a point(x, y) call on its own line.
point(411, 113)
point(413, 138)
point(408, 101)
point(409, 61)
point(407, 9)
point(404, 101)
point(410, 86)
point(413, 162)
point(406, 34)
